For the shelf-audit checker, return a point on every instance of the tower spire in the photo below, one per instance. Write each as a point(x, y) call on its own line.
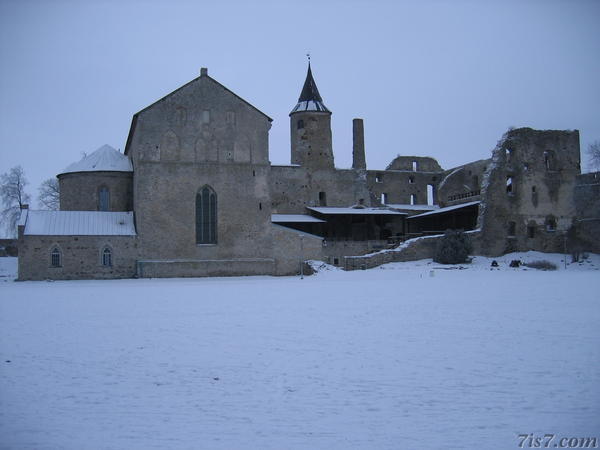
point(310, 99)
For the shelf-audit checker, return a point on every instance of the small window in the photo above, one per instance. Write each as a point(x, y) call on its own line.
point(336, 261)
point(411, 180)
point(509, 185)
point(322, 199)
point(413, 199)
point(550, 223)
point(414, 166)
point(103, 199)
point(512, 228)
point(379, 178)
point(533, 189)
point(107, 257)
point(526, 167)
point(530, 231)
point(508, 154)
point(475, 181)
point(384, 198)
point(55, 258)
point(300, 124)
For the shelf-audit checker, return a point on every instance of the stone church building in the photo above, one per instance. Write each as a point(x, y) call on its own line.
point(194, 194)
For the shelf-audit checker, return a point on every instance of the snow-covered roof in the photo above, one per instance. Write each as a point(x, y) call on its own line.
point(358, 211)
point(79, 223)
point(294, 218)
point(106, 159)
point(413, 207)
point(446, 209)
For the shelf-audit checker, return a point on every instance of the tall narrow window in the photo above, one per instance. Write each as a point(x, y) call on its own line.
point(384, 198)
point(414, 166)
point(206, 216)
point(430, 194)
point(55, 257)
point(107, 257)
point(413, 199)
point(512, 228)
point(509, 185)
point(300, 124)
point(322, 199)
point(103, 199)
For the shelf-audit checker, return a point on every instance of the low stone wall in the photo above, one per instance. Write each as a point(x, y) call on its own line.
point(288, 250)
point(81, 257)
point(411, 250)
point(204, 268)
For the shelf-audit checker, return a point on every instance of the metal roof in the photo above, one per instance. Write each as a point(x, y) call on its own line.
point(446, 209)
point(294, 218)
point(310, 99)
point(79, 223)
point(357, 211)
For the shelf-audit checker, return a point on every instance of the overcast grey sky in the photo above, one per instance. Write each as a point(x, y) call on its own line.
point(436, 78)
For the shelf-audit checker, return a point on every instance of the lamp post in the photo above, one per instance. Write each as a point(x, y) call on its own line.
point(301, 257)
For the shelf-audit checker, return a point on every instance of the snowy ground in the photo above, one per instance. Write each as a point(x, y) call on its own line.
point(406, 356)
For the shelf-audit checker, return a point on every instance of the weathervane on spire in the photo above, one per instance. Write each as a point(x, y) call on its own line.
point(308, 56)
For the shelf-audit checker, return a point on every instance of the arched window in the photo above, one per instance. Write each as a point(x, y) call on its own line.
point(107, 257)
point(55, 258)
point(206, 216)
point(103, 199)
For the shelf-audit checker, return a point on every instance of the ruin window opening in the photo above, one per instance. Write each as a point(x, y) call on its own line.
point(103, 199)
point(322, 199)
point(549, 160)
point(384, 198)
point(509, 185)
point(107, 257)
point(260, 206)
point(414, 166)
point(300, 124)
point(475, 181)
point(379, 178)
point(413, 199)
point(512, 228)
point(533, 189)
point(411, 180)
point(530, 231)
point(206, 216)
point(55, 257)
point(550, 223)
point(508, 153)
point(430, 194)
point(526, 167)
point(336, 261)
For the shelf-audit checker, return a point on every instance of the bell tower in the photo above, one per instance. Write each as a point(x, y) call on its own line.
point(310, 128)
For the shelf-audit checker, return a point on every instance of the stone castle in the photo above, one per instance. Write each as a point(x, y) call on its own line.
point(194, 194)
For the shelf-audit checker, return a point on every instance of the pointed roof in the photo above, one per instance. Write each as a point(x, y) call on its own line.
point(105, 159)
point(310, 99)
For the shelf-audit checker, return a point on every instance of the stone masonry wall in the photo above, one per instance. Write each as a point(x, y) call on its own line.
point(527, 192)
point(79, 191)
point(289, 249)
point(81, 257)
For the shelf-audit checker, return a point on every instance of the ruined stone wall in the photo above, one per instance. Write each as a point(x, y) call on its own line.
point(527, 192)
point(414, 164)
point(462, 184)
point(401, 185)
point(201, 134)
point(292, 189)
point(79, 191)
point(587, 205)
point(81, 257)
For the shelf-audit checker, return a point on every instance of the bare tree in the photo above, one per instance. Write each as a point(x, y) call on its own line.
point(49, 194)
point(594, 154)
point(13, 195)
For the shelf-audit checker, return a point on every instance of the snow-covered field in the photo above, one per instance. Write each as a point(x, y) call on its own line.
point(406, 356)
